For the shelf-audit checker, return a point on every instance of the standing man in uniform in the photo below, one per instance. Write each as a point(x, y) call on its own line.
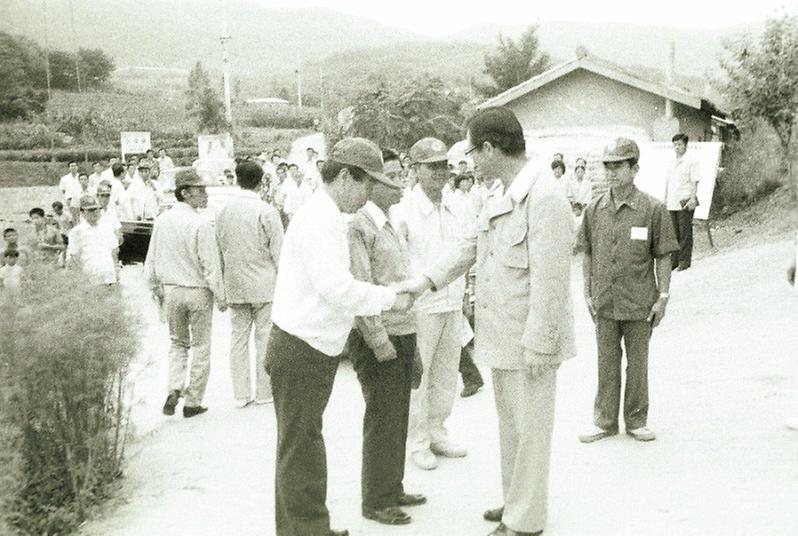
point(316, 299)
point(182, 269)
point(382, 349)
point(524, 320)
point(681, 199)
point(430, 222)
point(249, 234)
point(627, 238)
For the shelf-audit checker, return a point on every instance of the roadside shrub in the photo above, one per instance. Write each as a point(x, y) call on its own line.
point(752, 168)
point(66, 352)
point(25, 135)
point(278, 116)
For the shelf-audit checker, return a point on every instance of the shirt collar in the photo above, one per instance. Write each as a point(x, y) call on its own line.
point(522, 183)
point(181, 205)
point(249, 193)
point(631, 200)
point(376, 214)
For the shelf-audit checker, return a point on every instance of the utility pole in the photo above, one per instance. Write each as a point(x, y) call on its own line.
point(228, 104)
point(298, 81)
point(47, 74)
point(321, 89)
point(74, 45)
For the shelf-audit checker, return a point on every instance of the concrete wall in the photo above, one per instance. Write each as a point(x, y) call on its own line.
point(584, 100)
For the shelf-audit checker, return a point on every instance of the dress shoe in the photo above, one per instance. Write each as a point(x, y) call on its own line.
point(494, 515)
point(241, 403)
point(193, 411)
point(424, 459)
point(171, 402)
point(597, 434)
point(447, 449)
point(390, 515)
point(340, 532)
point(642, 434)
point(410, 499)
point(504, 530)
point(470, 390)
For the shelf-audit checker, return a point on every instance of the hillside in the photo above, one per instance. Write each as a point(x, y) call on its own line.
point(696, 49)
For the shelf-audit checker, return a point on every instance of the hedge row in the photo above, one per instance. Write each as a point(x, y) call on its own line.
point(279, 117)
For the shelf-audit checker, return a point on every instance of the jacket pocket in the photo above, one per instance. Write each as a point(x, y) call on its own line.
point(516, 255)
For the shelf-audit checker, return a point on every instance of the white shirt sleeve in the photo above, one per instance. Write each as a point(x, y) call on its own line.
point(329, 274)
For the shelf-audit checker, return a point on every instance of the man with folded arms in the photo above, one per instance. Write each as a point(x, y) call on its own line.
point(249, 234)
point(316, 299)
point(382, 349)
point(524, 321)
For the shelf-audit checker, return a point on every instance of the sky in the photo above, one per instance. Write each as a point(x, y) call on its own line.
point(439, 18)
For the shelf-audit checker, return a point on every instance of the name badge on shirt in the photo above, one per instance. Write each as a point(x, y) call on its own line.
point(639, 233)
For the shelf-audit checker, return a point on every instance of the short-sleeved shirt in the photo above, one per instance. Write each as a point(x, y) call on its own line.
point(623, 239)
point(94, 246)
point(682, 174)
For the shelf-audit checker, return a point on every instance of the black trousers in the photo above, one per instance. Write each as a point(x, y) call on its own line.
point(468, 370)
point(635, 335)
point(302, 381)
point(386, 389)
point(683, 226)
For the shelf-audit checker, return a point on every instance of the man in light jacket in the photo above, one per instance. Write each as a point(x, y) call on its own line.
point(524, 318)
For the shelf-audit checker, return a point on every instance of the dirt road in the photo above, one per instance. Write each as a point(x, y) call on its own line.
point(724, 376)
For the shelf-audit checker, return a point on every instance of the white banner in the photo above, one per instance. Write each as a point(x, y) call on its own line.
point(215, 146)
point(135, 142)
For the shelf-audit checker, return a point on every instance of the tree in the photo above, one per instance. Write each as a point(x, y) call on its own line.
point(398, 115)
point(19, 96)
point(204, 103)
point(95, 66)
point(514, 62)
point(762, 81)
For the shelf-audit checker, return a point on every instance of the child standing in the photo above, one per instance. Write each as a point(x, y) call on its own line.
point(11, 276)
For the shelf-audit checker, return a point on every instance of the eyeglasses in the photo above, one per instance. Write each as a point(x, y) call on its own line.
point(89, 209)
point(103, 195)
point(470, 150)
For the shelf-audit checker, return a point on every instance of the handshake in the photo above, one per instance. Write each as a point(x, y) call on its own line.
point(408, 290)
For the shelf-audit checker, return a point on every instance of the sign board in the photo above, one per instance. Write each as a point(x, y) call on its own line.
point(215, 146)
point(657, 158)
point(134, 142)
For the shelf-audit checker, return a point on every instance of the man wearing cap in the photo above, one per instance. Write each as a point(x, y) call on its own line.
point(627, 238)
point(521, 247)
point(249, 234)
point(316, 299)
point(382, 349)
point(429, 222)
point(182, 271)
point(93, 248)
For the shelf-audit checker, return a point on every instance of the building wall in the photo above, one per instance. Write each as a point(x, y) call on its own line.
point(583, 100)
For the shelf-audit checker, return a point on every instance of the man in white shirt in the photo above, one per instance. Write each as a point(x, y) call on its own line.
point(316, 299)
point(93, 248)
point(82, 189)
point(68, 184)
point(295, 191)
point(580, 190)
point(182, 270)
point(147, 193)
point(249, 235)
point(429, 223)
point(681, 199)
point(108, 172)
point(108, 212)
point(96, 175)
point(165, 163)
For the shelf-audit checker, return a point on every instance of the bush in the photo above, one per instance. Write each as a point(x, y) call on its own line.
point(752, 169)
point(66, 353)
point(278, 116)
point(25, 135)
point(14, 174)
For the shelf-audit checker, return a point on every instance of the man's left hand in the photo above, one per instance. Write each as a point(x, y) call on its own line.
point(657, 312)
point(692, 203)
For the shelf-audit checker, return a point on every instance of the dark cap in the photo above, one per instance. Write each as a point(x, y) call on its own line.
point(429, 151)
point(364, 154)
point(88, 201)
point(621, 149)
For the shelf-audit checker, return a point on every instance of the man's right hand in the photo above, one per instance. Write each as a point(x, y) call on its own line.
point(158, 293)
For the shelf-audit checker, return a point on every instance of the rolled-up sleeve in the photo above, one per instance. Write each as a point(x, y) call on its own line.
point(370, 327)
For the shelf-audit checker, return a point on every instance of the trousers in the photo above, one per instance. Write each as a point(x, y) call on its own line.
point(438, 337)
point(189, 311)
point(243, 318)
point(635, 335)
point(302, 380)
point(386, 390)
point(683, 226)
point(525, 408)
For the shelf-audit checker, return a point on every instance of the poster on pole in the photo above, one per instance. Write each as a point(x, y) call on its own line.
point(134, 142)
point(215, 146)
